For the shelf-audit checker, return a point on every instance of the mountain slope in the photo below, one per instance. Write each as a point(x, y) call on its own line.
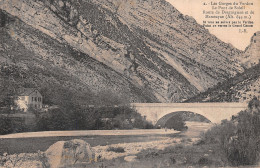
point(178, 40)
point(146, 50)
point(33, 59)
point(241, 88)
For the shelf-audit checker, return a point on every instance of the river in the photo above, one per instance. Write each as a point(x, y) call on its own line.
point(32, 142)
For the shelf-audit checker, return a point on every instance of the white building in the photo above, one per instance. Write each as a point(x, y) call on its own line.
point(29, 97)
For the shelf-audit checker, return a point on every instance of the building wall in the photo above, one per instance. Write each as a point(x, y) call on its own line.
point(22, 102)
point(35, 100)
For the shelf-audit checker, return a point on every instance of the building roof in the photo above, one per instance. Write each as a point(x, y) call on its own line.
point(26, 91)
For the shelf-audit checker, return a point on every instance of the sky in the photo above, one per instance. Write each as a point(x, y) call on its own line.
point(231, 35)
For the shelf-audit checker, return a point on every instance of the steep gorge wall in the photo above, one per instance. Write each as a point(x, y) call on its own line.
point(144, 49)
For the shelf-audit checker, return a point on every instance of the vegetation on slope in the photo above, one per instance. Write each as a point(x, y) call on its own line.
point(239, 138)
point(243, 87)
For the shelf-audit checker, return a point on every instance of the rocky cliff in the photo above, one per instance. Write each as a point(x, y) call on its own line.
point(251, 55)
point(146, 50)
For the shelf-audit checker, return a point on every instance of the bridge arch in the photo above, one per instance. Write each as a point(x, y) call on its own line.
point(185, 115)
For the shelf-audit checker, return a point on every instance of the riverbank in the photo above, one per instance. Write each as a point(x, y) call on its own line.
point(132, 143)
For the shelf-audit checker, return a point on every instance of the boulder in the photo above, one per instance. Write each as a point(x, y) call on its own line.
point(69, 153)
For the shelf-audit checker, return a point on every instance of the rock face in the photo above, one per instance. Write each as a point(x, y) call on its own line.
point(251, 55)
point(69, 153)
point(177, 39)
point(244, 86)
point(146, 50)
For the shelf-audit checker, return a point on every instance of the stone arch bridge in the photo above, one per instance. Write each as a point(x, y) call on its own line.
point(215, 112)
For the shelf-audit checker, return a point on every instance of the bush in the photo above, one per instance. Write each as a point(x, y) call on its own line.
point(69, 118)
point(172, 159)
point(12, 124)
point(176, 123)
point(5, 125)
point(204, 161)
point(219, 133)
point(116, 149)
point(240, 137)
point(122, 117)
point(244, 147)
point(73, 117)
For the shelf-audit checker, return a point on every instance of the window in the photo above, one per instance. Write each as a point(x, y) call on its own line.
point(35, 105)
point(32, 98)
point(39, 99)
point(35, 99)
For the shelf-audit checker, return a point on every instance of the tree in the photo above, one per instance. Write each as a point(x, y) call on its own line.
point(176, 123)
point(6, 126)
point(254, 105)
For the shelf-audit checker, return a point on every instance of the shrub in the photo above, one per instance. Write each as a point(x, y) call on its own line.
point(173, 160)
point(219, 133)
point(204, 161)
point(5, 125)
point(179, 146)
point(183, 140)
point(244, 147)
point(189, 140)
point(240, 137)
point(122, 117)
point(116, 149)
point(176, 123)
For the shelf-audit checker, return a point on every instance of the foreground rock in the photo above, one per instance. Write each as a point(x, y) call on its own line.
point(69, 153)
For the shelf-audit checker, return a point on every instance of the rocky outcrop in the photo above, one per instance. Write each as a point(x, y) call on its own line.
point(69, 153)
point(251, 55)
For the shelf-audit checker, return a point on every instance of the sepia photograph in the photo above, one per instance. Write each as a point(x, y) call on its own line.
point(129, 83)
